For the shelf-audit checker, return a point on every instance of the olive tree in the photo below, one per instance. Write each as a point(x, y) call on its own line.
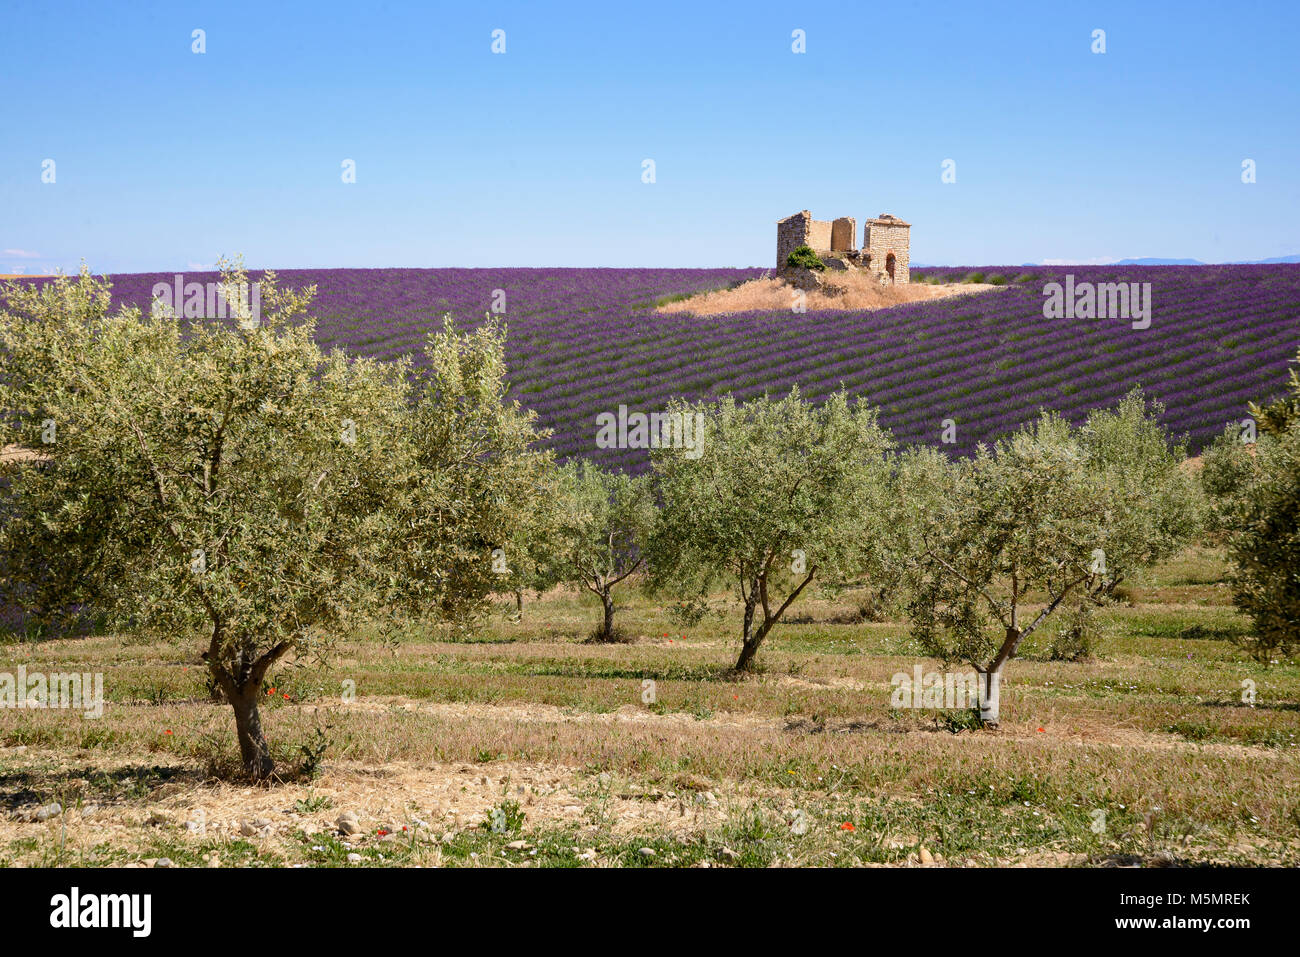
point(1048, 515)
point(1256, 492)
point(226, 478)
point(233, 479)
point(1158, 506)
point(776, 493)
point(1230, 471)
point(604, 522)
point(1266, 550)
point(474, 488)
point(528, 554)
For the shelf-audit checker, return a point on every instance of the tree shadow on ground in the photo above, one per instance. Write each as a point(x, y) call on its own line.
point(22, 787)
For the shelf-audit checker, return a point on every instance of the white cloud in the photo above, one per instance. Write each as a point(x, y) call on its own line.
point(21, 253)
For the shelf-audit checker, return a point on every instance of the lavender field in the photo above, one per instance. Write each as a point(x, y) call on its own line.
point(584, 341)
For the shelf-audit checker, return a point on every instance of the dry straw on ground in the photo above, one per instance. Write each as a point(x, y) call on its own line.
point(855, 290)
point(16, 453)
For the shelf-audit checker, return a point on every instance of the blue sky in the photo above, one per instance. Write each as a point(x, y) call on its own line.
point(165, 159)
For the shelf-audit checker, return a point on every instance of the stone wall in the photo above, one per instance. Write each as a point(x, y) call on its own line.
point(844, 234)
point(819, 235)
point(791, 233)
point(823, 236)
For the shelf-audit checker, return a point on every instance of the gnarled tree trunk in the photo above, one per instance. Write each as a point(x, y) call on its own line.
point(749, 648)
point(241, 681)
point(756, 598)
point(749, 642)
point(607, 629)
point(253, 749)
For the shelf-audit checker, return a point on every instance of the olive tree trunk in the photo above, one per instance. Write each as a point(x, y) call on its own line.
point(757, 598)
point(607, 629)
point(749, 648)
point(253, 749)
point(990, 678)
point(990, 685)
point(241, 681)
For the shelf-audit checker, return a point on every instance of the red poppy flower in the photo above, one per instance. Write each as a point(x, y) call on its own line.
point(286, 697)
point(168, 731)
point(846, 826)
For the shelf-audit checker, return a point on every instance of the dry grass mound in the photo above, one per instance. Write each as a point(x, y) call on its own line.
point(842, 290)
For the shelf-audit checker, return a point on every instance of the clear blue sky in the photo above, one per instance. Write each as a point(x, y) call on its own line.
point(166, 158)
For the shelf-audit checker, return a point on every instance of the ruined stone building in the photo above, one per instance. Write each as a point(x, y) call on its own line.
point(884, 249)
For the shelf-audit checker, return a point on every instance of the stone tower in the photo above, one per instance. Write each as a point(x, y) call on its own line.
point(885, 245)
